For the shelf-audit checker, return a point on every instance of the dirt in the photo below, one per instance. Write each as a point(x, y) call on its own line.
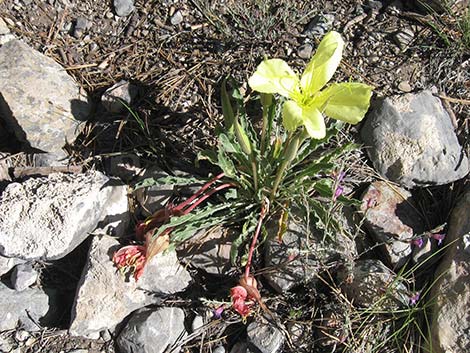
point(178, 69)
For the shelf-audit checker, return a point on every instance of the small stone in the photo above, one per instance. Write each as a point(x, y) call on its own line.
point(152, 331)
point(371, 283)
point(7, 263)
point(404, 86)
point(81, 25)
point(265, 336)
point(24, 276)
point(305, 51)
point(118, 96)
point(177, 18)
point(21, 335)
point(106, 336)
point(198, 322)
point(319, 25)
point(404, 37)
point(219, 349)
point(123, 7)
point(392, 220)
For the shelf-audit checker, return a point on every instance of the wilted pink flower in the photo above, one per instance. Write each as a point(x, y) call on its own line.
point(414, 298)
point(239, 295)
point(131, 257)
point(338, 192)
point(418, 242)
point(439, 237)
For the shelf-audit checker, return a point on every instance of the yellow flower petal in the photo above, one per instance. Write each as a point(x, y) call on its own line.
point(314, 123)
point(347, 102)
point(323, 64)
point(291, 115)
point(274, 76)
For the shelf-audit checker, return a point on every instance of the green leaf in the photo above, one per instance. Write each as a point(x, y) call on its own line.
point(209, 155)
point(226, 164)
point(167, 180)
point(227, 110)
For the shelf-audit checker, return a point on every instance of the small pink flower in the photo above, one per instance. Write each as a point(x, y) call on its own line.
point(338, 192)
point(418, 242)
point(414, 298)
point(131, 257)
point(217, 313)
point(439, 237)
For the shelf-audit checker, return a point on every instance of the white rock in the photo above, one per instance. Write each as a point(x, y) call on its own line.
point(451, 292)
point(104, 298)
point(24, 276)
point(7, 263)
point(43, 104)
point(48, 217)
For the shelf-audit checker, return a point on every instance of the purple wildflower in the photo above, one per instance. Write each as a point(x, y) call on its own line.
point(217, 313)
point(439, 237)
point(414, 298)
point(418, 242)
point(338, 192)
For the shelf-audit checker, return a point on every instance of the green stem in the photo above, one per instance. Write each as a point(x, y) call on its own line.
point(263, 130)
point(255, 172)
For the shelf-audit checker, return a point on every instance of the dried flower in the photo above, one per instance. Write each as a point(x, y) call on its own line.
point(239, 296)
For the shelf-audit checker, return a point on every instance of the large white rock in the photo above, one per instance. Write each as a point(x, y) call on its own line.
point(451, 293)
point(39, 101)
point(104, 297)
point(46, 218)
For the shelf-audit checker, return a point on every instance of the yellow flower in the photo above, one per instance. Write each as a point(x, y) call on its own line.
point(307, 103)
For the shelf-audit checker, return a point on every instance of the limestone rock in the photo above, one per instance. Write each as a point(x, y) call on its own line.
point(152, 331)
point(209, 250)
point(371, 283)
point(164, 275)
point(104, 298)
point(39, 101)
point(123, 7)
point(122, 91)
point(23, 308)
point(265, 336)
point(411, 141)
point(392, 220)
point(7, 263)
point(451, 292)
point(23, 276)
point(47, 217)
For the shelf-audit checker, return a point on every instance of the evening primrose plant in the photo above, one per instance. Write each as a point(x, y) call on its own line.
point(290, 163)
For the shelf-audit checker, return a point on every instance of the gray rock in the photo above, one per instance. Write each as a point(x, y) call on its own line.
point(411, 141)
point(25, 308)
point(266, 337)
point(103, 298)
point(301, 255)
point(404, 37)
point(39, 101)
point(48, 217)
point(123, 7)
point(164, 275)
point(371, 284)
point(451, 292)
point(5, 38)
point(209, 250)
point(115, 221)
point(155, 197)
point(319, 25)
point(392, 219)
point(81, 25)
point(7, 263)
point(405, 86)
point(305, 51)
point(115, 96)
point(219, 349)
point(177, 18)
point(24, 276)
point(152, 331)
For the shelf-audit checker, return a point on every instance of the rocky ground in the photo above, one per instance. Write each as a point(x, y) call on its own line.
point(71, 155)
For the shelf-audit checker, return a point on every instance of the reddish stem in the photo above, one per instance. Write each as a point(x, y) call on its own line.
point(199, 192)
point(198, 201)
point(264, 210)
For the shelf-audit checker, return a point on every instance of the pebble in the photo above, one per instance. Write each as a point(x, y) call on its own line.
point(404, 37)
point(319, 25)
point(404, 86)
point(177, 18)
point(81, 25)
point(123, 7)
point(305, 51)
point(22, 335)
point(23, 276)
point(3, 27)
